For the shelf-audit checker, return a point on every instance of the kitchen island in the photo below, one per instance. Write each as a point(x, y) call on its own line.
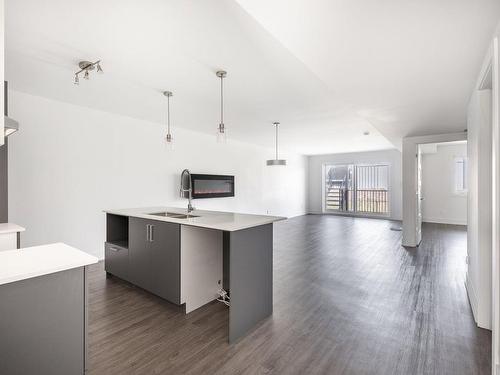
point(187, 258)
point(43, 310)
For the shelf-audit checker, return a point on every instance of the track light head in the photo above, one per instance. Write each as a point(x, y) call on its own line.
point(77, 80)
point(99, 69)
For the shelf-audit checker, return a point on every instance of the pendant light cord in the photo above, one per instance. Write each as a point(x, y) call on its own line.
point(276, 124)
point(276, 127)
point(221, 100)
point(168, 114)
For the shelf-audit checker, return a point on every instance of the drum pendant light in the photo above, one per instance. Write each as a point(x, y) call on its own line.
point(276, 161)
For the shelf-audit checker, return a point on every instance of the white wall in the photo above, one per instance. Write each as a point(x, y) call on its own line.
point(316, 163)
point(68, 163)
point(441, 204)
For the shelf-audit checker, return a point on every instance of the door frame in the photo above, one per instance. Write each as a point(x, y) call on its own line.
point(493, 55)
point(418, 197)
point(491, 65)
point(409, 166)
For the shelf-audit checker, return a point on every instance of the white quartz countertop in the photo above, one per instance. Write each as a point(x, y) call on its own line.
point(6, 228)
point(226, 221)
point(28, 262)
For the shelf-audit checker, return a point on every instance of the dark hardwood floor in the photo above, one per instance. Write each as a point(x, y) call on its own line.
point(348, 299)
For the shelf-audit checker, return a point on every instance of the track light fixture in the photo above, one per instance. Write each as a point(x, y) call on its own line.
point(85, 68)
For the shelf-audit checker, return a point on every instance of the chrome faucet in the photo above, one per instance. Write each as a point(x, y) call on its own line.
point(189, 191)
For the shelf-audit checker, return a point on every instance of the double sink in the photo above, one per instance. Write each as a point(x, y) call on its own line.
point(173, 215)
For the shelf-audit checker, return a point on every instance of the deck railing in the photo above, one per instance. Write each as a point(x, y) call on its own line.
point(374, 201)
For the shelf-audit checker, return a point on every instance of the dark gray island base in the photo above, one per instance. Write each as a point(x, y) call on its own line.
point(250, 278)
point(151, 253)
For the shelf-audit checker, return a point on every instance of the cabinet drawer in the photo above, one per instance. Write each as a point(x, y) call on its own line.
point(116, 260)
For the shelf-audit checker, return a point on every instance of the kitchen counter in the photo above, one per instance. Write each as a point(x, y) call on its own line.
point(225, 221)
point(44, 308)
point(29, 262)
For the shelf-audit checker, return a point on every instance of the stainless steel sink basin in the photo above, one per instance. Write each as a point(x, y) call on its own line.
point(174, 215)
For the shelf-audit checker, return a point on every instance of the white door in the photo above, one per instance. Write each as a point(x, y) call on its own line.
point(419, 198)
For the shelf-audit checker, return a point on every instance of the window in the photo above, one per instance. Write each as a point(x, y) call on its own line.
point(461, 175)
point(354, 188)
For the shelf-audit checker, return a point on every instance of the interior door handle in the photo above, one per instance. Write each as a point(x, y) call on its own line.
point(147, 232)
point(151, 233)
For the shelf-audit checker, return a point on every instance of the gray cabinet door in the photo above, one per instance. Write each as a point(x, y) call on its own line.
point(165, 260)
point(139, 253)
point(116, 260)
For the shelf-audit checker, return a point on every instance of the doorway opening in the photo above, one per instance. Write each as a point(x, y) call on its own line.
point(442, 183)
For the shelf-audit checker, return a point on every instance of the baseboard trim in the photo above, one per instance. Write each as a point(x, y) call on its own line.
point(471, 293)
point(384, 217)
point(444, 221)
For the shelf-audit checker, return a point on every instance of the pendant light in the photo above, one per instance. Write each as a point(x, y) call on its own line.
point(168, 138)
point(221, 129)
point(276, 161)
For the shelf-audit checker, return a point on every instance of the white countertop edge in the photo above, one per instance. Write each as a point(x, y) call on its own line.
point(6, 228)
point(35, 261)
point(254, 220)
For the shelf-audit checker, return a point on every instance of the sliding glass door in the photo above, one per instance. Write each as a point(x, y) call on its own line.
point(339, 188)
point(351, 188)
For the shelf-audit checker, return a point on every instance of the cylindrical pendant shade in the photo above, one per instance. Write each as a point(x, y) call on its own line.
point(276, 162)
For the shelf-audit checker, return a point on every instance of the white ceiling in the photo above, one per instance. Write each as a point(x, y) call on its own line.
point(327, 72)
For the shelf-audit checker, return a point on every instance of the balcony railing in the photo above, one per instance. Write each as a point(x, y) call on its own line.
point(373, 201)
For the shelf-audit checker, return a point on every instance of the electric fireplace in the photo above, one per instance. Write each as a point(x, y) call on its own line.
point(212, 186)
